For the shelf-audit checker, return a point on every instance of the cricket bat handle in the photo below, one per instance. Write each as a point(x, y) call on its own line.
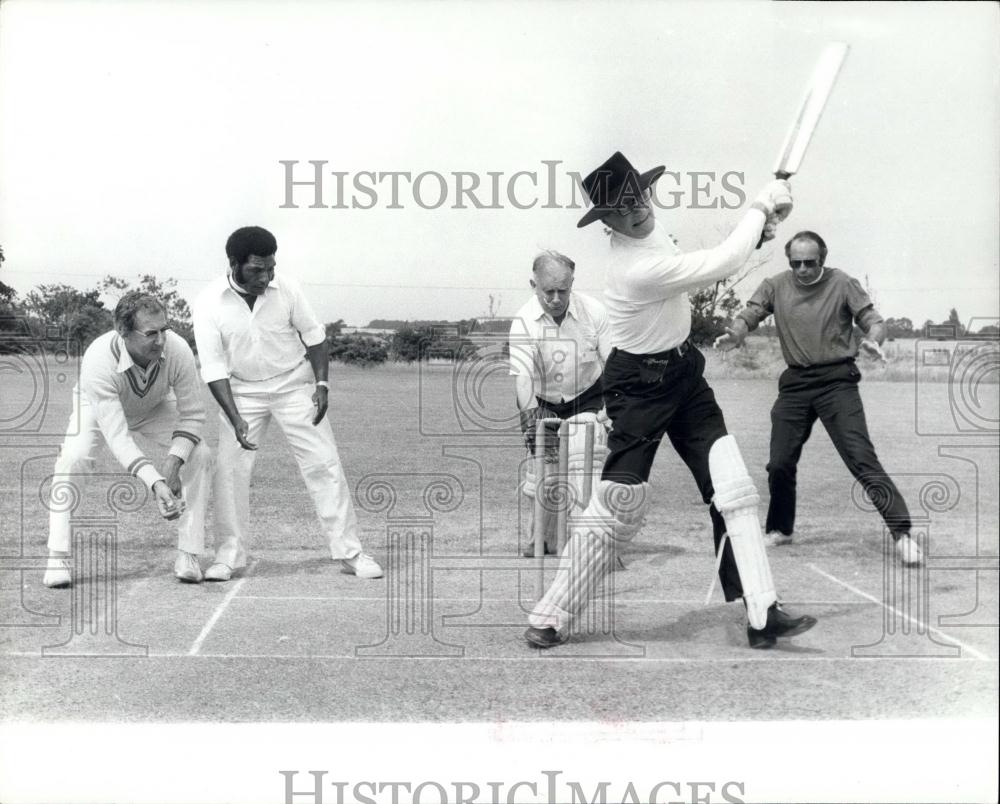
point(781, 175)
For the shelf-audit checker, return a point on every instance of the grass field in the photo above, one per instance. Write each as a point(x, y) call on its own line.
point(287, 641)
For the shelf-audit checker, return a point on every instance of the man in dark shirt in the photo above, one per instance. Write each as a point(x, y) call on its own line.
point(815, 309)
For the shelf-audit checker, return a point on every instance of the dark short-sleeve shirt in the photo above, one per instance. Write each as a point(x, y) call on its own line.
point(815, 323)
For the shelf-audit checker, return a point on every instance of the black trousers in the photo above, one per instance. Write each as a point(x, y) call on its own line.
point(590, 401)
point(649, 396)
point(829, 393)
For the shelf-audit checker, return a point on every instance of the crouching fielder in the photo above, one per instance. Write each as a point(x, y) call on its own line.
point(138, 385)
point(653, 387)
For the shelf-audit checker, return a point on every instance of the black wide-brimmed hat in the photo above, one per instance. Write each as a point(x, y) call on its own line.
point(616, 184)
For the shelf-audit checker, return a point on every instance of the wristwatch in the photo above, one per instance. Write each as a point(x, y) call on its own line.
point(324, 383)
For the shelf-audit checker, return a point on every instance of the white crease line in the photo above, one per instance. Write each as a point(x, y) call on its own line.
point(920, 624)
point(621, 601)
point(551, 657)
point(218, 612)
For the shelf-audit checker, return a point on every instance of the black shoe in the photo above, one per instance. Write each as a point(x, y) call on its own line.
point(779, 624)
point(544, 637)
point(529, 551)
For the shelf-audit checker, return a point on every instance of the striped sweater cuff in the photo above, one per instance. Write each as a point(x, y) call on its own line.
point(183, 444)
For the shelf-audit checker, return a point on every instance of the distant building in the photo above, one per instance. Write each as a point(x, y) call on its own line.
point(374, 332)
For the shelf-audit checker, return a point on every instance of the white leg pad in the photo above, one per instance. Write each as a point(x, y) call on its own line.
point(736, 498)
point(614, 516)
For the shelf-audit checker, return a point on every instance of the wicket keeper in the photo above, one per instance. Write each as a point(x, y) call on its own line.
point(264, 356)
point(653, 387)
point(138, 382)
point(559, 342)
point(815, 308)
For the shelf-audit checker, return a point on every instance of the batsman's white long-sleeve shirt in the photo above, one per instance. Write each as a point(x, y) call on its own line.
point(123, 395)
point(648, 279)
point(235, 342)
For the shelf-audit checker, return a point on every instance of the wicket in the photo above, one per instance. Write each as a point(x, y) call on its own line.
point(563, 496)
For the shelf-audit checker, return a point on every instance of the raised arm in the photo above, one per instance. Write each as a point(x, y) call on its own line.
point(689, 271)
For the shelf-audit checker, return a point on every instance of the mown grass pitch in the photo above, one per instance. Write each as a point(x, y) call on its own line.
point(293, 639)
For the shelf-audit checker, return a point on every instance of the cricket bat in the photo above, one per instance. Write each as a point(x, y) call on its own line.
point(810, 110)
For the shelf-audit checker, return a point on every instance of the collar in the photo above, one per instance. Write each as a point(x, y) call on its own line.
point(125, 361)
point(656, 239)
point(816, 281)
point(231, 285)
point(537, 311)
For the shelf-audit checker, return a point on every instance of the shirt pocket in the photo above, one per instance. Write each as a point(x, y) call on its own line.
point(588, 350)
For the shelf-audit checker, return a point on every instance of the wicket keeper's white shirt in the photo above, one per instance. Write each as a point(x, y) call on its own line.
point(563, 360)
point(123, 395)
point(252, 345)
point(648, 280)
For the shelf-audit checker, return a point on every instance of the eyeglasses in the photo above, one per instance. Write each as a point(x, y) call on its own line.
point(804, 263)
point(153, 333)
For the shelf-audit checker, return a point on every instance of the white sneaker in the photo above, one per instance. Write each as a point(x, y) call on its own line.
point(362, 565)
point(57, 573)
point(219, 572)
point(186, 568)
point(909, 551)
point(775, 538)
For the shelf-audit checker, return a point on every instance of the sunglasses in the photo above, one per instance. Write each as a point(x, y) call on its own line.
point(804, 263)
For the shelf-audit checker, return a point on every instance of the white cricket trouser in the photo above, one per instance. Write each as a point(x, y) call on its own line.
point(288, 398)
point(77, 460)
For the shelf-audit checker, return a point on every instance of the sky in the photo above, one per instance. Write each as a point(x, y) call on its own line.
point(134, 137)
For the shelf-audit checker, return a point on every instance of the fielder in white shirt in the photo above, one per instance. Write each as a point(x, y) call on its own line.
point(654, 388)
point(138, 383)
point(559, 341)
point(264, 355)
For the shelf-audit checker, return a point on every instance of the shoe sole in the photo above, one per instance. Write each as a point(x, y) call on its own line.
point(764, 643)
point(538, 642)
point(348, 571)
point(59, 585)
point(183, 579)
point(770, 640)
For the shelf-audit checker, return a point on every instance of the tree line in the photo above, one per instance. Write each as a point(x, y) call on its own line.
point(60, 314)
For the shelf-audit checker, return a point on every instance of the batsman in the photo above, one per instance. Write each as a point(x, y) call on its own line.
point(653, 387)
point(559, 343)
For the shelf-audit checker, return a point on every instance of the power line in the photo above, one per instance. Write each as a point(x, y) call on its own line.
point(364, 285)
point(378, 286)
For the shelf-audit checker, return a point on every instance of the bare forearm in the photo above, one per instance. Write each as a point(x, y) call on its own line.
point(223, 394)
point(319, 358)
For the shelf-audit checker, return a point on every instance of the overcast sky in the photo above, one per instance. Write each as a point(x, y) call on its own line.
point(135, 137)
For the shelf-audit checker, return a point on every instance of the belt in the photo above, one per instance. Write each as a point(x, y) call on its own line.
point(811, 366)
point(659, 358)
